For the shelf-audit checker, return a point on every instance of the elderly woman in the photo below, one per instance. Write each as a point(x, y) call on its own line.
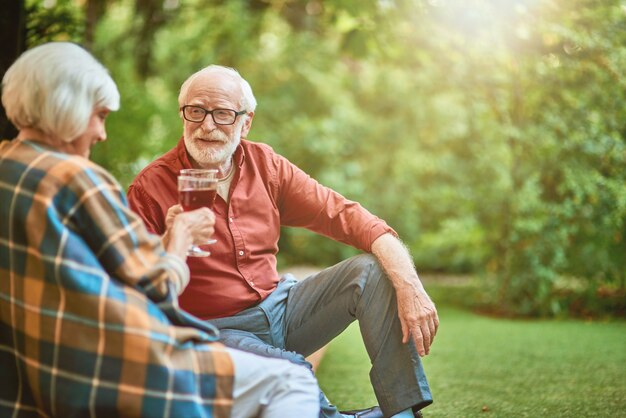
point(89, 321)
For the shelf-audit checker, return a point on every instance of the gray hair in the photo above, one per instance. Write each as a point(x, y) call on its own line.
point(248, 102)
point(55, 88)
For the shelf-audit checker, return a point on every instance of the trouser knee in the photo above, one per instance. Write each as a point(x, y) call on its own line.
point(368, 272)
point(305, 376)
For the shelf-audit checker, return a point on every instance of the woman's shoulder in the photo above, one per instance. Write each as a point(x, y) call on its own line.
point(76, 171)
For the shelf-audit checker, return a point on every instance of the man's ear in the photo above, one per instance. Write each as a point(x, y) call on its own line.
point(247, 125)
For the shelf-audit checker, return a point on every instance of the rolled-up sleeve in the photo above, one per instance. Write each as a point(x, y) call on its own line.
point(306, 203)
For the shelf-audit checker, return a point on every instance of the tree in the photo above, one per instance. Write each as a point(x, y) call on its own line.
point(489, 134)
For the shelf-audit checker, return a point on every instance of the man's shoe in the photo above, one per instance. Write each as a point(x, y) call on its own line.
point(373, 412)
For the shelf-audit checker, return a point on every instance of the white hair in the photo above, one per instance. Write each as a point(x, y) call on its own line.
point(248, 102)
point(55, 88)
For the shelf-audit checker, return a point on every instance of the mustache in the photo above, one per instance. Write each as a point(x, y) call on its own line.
point(214, 135)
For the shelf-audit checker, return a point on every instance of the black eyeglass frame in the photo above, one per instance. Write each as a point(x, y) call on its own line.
point(210, 112)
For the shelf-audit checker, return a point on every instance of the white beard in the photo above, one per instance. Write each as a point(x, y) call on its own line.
point(210, 155)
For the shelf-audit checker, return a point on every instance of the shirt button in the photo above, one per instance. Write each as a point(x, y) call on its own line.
point(230, 220)
point(240, 252)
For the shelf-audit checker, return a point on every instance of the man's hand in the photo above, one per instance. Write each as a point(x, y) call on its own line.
point(417, 313)
point(418, 317)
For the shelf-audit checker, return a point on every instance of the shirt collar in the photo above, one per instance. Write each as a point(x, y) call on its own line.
point(183, 157)
point(240, 154)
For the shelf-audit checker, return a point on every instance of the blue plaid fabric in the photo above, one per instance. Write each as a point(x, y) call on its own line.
point(89, 322)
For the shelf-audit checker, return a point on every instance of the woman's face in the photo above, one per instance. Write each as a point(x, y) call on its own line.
point(95, 132)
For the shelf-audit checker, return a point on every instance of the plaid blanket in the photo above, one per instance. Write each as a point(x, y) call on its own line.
point(89, 321)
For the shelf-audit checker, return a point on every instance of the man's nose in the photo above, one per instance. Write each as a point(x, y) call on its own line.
point(208, 124)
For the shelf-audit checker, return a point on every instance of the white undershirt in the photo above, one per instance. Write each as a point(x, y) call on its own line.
point(223, 185)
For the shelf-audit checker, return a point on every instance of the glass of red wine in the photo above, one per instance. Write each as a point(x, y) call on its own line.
point(201, 172)
point(195, 191)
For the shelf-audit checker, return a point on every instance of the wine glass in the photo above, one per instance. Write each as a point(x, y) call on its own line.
point(194, 192)
point(201, 172)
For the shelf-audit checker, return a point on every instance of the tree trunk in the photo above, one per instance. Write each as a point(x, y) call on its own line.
point(94, 11)
point(13, 41)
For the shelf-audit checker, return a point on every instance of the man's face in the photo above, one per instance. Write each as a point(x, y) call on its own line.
point(209, 144)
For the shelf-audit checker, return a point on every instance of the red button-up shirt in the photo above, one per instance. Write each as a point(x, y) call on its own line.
point(267, 191)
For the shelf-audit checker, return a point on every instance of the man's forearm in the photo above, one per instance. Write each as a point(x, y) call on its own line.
point(416, 312)
point(397, 263)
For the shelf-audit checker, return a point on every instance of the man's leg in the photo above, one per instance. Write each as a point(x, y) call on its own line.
point(320, 307)
point(272, 388)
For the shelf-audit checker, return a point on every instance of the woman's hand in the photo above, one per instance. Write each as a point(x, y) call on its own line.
point(186, 228)
point(171, 214)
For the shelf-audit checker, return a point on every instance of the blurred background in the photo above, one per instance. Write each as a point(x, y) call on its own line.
point(490, 134)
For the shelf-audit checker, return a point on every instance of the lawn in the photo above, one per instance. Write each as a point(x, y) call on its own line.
point(488, 367)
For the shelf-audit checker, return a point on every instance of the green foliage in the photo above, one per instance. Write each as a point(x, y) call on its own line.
point(489, 134)
point(58, 21)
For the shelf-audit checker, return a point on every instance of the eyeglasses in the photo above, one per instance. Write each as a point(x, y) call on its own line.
point(220, 116)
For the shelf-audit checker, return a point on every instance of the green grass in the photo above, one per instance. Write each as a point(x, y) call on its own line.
point(487, 367)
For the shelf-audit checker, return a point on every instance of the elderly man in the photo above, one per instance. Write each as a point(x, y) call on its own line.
point(238, 288)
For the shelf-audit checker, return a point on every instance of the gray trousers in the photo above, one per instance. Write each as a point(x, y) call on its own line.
point(300, 317)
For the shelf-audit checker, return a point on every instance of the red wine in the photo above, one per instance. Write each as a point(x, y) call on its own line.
point(191, 199)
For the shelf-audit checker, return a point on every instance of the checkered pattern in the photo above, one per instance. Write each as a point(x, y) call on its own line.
point(89, 321)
